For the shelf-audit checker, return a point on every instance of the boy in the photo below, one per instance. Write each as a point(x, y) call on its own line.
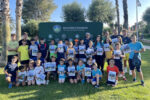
point(52, 49)
point(97, 75)
point(23, 53)
point(39, 57)
point(112, 73)
point(33, 49)
point(11, 71)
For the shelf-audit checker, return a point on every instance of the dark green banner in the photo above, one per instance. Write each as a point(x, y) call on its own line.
point(69, 30)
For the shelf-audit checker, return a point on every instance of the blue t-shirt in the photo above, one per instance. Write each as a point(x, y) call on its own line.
point(61, 69)
point(135, 46)
point(94, 73)
point(79, 68)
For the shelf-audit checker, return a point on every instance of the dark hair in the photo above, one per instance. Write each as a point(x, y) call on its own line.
point(99, 41)
point(94, 64)
point(25, 33)
point(21, 67)
point(41, 38)
point(62, 59)
point(32, 39)
point(14, 57)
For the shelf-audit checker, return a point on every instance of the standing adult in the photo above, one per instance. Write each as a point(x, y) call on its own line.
point(12, 47)
point(135, 58)
point(87, 39)
point(25, 38)
point(126, 40)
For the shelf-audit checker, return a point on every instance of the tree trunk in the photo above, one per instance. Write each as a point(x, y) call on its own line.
point(125, 10)
point(118, 16)
point(19, 4)
point(5, 29)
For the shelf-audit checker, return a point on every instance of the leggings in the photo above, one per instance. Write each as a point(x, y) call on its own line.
point(100, 61)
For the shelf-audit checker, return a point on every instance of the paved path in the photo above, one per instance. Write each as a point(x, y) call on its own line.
point(147, 47)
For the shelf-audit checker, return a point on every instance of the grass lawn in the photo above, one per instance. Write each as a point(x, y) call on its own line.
point(124, 91)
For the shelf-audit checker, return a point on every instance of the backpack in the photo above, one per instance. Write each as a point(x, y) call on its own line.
point(136, 61)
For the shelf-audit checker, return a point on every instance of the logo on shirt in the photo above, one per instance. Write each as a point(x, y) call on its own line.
point(56, 28)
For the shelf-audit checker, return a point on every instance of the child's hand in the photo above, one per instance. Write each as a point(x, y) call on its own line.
point(9, 75)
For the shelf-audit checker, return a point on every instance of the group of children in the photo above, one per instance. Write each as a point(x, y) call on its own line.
point(77, 63)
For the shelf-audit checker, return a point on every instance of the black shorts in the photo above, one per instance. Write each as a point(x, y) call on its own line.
point(113, 83)
point(132, 67)
point(25, 62)
point(72, 77)
point(13, 78)
point(118, 63)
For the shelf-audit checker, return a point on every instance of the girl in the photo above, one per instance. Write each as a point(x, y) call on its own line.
point(71, 72)
point(112, 73)
point(21, 76)
point(39, 73)
point(97, 75)
point(61, 71)
point(31, 74)
point(70, 51)
point(89, 69)
point(60, 50)
point(76, 47)
point(108, 49)
point(118, 55)
point(81, 71)
point(90, 50)
point(99, 56)
point(52, 49)
point(82, 49)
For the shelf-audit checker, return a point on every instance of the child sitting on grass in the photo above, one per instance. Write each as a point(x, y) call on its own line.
point(11, 71)
point(97, 75)
point(112, 73)
point(81, 71)
point(21, 76)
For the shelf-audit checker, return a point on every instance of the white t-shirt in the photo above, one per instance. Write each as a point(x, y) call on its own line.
point(34, 50)
point(39, 73)
point(30, 74)
point(22, 76)
point(117, 54)
point(82, 49)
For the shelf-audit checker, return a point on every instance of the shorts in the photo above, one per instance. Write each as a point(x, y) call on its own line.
point(132, 67)
point(82, 56)
point(89, 77)
point(53, 74)
point(113, 83)
point(25, 62)
point(13, 78)
point(94, 79)
point(118, 63)
point(126, 56)
point(61, 79)
point(72, 77)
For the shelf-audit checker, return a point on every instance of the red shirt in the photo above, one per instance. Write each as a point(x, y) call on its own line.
point(114, 69)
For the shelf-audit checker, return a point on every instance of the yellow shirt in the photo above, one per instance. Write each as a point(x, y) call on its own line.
point(13, 45)
point(24, 54)
point(109, 53)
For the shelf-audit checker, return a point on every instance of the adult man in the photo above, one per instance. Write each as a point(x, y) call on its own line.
point(126, 40)
point(87, 39)
point(25, 37)
point(12, 47)
point(135, 58)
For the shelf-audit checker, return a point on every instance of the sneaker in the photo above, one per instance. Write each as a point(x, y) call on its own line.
point(47, 82)
point(96, 86)
point(134, 80)
point(142, 83)
point(10, 85)
point(130, 72)
point(120, 75)
point(125, 70)
point(124, 78)
point(83, 81)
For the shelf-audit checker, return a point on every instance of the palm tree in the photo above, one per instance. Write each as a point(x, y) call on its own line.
point(125, 10)
point(118, 16)
point(19, 4)
point(5, 28)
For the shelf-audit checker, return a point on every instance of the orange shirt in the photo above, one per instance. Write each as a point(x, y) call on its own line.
point(114, 69)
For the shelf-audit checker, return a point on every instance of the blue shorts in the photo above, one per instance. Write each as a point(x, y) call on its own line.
point(132, 67)
point(13, 78)
point(89, 77)
point(94, 79)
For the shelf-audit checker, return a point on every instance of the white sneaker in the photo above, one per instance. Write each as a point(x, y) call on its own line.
point(120, 75)
point(130, 72)
point(47, 82)
point(125, 70)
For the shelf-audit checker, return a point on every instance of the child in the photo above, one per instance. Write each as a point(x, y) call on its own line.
point(60, 50)
point(33, 49)
point(71, 72)
point(52, 49)
point(112, 73)
point(82, 49)
point(89, 67)
point(118, 55)
point(39, 73)
point(76, 47)
point(21, 76)
point(108, 49)
point(11, 71)
point(90, 50)
point(97, 75)
point(80, 71)
point(30, 73)
point(43, 48)
point(61, 71)
point(23, 53)
point(99, 55)
point(39, 57)
point(51, 69)
point(70, 51)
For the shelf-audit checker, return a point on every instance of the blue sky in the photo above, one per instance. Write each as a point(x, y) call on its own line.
point(57, 14)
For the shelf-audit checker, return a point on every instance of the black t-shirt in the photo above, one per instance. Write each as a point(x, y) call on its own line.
point(126, 40)
point(27, 41)
point(11, 69)
point(116, 36)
